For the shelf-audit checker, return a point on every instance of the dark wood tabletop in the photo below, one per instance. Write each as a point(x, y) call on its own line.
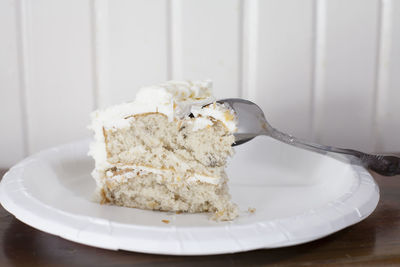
point(372, 242)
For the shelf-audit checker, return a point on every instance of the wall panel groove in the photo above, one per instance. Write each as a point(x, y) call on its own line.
point(240, 48)
point(250, 48)
point(20, 15)
point(379, 71)
point(319, 65)
point(100, 46)
point(176, 40)
point(315, 62)
point(388, 95)
point(169, 39)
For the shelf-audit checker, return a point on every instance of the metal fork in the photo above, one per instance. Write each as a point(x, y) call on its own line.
point(252, 123)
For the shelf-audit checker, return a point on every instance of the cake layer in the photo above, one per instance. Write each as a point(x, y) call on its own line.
point(151, 140)
point(165, 175)
point(145, 190)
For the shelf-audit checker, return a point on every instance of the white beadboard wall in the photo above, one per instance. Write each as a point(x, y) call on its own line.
point(324, 70)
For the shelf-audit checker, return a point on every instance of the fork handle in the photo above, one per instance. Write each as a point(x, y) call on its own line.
point(387, 165)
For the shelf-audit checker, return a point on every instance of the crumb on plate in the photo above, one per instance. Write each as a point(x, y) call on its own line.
point(251, 210)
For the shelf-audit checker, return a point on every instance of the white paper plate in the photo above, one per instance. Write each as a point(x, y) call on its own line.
point(298, 195)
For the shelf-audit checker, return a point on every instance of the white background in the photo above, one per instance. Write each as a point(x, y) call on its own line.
point(324, 70)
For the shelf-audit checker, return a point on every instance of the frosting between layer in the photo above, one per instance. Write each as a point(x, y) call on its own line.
point(162, 174)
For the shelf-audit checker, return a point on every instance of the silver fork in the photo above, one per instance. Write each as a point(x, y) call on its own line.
point(252, 123)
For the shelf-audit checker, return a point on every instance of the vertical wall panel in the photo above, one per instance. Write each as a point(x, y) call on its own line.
point(206, 43)
point(388, 107)
point(57, 63)
point(11, 136)
point(136, 53)
point(345, 91)
point(278, 61)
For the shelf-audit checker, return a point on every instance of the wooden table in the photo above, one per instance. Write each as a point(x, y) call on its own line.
point(374, 241)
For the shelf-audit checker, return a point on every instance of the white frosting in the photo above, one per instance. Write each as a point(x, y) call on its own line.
point(200, 123)
point(204, 179)
point(175, 99)
point(162, 174)
point(215, 111)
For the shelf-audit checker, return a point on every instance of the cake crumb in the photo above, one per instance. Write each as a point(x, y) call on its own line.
point(178, 212)
point(251, 210)
point(165, 221)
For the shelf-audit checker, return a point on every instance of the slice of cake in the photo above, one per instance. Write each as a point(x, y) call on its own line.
point(166, 150)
